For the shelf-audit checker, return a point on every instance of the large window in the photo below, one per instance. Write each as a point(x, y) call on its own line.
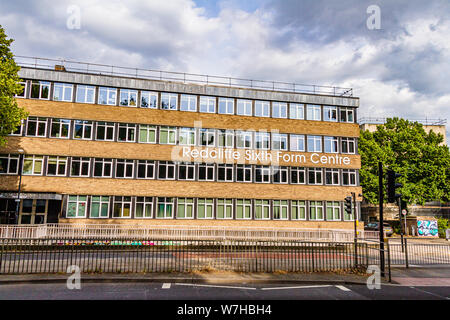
point(262, 174)
point(187, 136)
point(262, 209)
point(147, 133)
point(296, 111)
point(313, 112)
point(224, 209)
point(225, 138)
point(315, 176)
point(146, 169)
point(149, 99)
point(167, 135)
point(244, 139)
point(76, 207)
point(348, 145)
point(36, 127)
point(207, 137)
point(32, 165)
point(186, 171)
point(226, 106)
point(185, 208)
point(315, 210)
point(9, 164)
point(105, 131)
point(279, 141)
point(279, 110)
point(332, 176)
point(262, 140)
point(347, 115)
point(107, 96)
point(165, 208)
point(225, 172)
point(144, 208)
point(208, 104)
point(243, 173)
point(297, 142)
point(244, 107)
point(280, 174)
point(122, 207)
point(80, 167)
point(99, 207)
point(349, 177)
point(298, 175)
point(298, 210)
point(85, 94)
point(60, 128)
point(103, 168)
point(169, 101)
point(329, 113)
point(124, 169)
point(243, 209)
point(128, 98)
point(82, 130)
point(188, 103)
point(40, 90)
point(62, 92)
point(333, 210)
point(206, 172)
point(262, 108)
point(331, 144)
point(166, 170)
point(205, 209)
point(127, 132)
point(280, 209)
point(314, 144)
point(57, 166)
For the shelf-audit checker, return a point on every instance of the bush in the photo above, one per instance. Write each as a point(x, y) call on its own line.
point(443, 224)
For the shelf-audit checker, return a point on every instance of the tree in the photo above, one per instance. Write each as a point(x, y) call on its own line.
point(10, 113)
point(406, 148)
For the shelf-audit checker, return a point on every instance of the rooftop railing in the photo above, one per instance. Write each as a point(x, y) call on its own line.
point(426, 121)
point(182, 77)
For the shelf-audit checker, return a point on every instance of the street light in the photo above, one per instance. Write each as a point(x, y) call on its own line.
point(21, 153)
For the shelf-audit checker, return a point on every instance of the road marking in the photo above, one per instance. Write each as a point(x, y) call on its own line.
point(433, 294)
point(166, 286)
point(343, 288)
point(212, 286)
point(299, 287)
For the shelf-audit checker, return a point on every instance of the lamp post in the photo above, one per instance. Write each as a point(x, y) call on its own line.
point(21, 153)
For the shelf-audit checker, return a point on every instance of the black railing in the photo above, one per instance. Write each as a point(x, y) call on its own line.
point(419, 253)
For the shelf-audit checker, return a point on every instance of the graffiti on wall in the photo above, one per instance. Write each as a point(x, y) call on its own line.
point(427, 227)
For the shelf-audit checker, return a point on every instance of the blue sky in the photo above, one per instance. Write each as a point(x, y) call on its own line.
point(399, 70)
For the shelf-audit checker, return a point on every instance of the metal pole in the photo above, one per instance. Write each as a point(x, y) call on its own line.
point(16, 218)
point(400, 213)
point(380, 205)
point(355, 227)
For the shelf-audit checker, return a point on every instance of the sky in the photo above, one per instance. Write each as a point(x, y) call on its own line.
point(399, 68)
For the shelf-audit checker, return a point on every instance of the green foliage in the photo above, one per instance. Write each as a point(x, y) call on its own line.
point(10, 113)
point(408, 149)
point(443, 224)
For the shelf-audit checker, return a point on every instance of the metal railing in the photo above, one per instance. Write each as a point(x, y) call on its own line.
point(419, 253)
point(155, 232)
point(202, 79)
point(25, 256)
point(426, 121)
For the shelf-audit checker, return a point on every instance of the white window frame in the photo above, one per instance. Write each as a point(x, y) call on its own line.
point(188, 165)
point(229, 105)
point(34, 160)
point(24, 83)
point(312, 143)
point(102, 201)
point(128, 94)
point(59, 160)
point(87, 89)
point(191, 101)
point(298, 170)
point(167, 164)
point(147, 201)
point(61, 123)
point(209, 103)
point(103, 162)
point(316, 205)
point(328, 113)
point(41, 84)
point(278, 108)
point(265, 173)
point(186, 202)
point(106, 125)
point(209, 169)
point(262, 138)
point(82, 160)
point(333, 173)
point(263, 204)
point(147, 128)
point(282, 204)
point(350, 173)
point(244, 107)
point(317, 172)
point(279, 138)
point(165, 202)
point(84, 124)
point(126, 165)
point(227, 134)
point(147, 164)
point(171, 98)
point(245, 168)
point(280, 170)
point(313, 112)
point(170, 130)
point(297, 111)
point(9, 158)
point(330, 142)
point(206, 204)
point(244, 139)
point(190, 133)
point(128, 127)
point(227, 167)
point(334, 205)
point(63, 87)
point(348, 142)
point(20, 127)
point(347, 112)
point(38, 120)
point(208, 133)
point(227, 204)
point(78, 202)
point(294, 142)
point(297, 204)
point(152, 99)
point(110, 101)
point(245, 204)
point(123, 202)
point(262, 109)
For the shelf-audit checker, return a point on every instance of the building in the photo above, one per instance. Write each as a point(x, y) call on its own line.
point(122, 148)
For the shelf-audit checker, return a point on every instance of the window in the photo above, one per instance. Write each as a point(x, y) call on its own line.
point(122, 207)
point(36, 127)
point(9, 164)
point(262, 109)
point(57, 166)
point(82, 130)
point(243, 173)
point(279, 141)
point(207, 137)
point(76, 207)
point(127, 132)
point(244, 139)
point(296, 111)
point(347, 115)
point(224, 209)
point(80, 167)
point(103, 168)
point(313, 112)
point(280, 174)
point(147, 133)
point(297, 142)
point(60, 128)
point(144, 208)
point(332, 176)
point(280, 209)
point(149, 99)
point(107, 96)
point(331, 144)
point(146, 169)
point(206, 172)
point(208, 104)
point(225, 138)
point(188, 103)
point(333, 210)
point(243, 209)
point(348, 145)
point(329, 113)
point(32, 165)
point(262, 140)
point(205, 209)
point(186, 171)
point(262, 209)
point(187, 136)
point(128, 98)
point(167, 135)
point(314, 144)
point(315, 176)
point(225, 172)
point(18, 131)
point(165, 208)
point(279, 110)
point(262, 174)
point(99, 207)
point(105, 131)
point(62, 92)
point(298, 210)
point(40, 90)
point(315, 210)
point(125, 169)
point(185, 208)
point(298, 175)
point(226, 106)
point(244, 107)
point(85, 94)
point(23, 92)
point(348, 177)
point(166, 170)
point(169, 101)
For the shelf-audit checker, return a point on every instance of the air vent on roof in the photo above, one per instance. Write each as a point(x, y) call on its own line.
point(60, 68)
